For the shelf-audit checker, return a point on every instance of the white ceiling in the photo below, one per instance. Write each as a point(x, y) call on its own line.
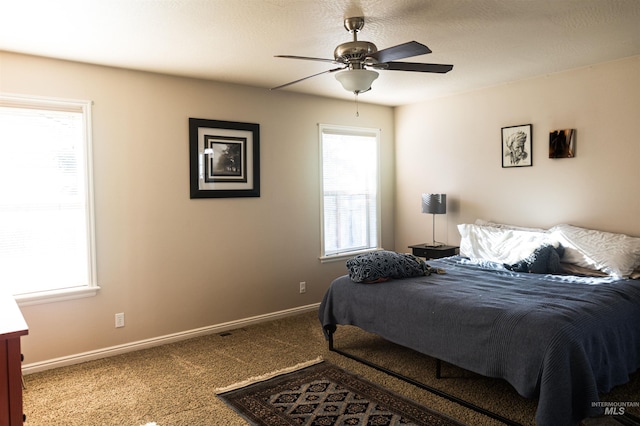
point(489, 42)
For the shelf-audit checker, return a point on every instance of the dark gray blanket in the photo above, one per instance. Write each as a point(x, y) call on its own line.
point(560, 339)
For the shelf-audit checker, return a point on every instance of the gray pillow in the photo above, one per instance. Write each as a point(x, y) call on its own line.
point(544, 260)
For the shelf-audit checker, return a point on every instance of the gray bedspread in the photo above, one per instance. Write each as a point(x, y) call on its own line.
point(563, 340)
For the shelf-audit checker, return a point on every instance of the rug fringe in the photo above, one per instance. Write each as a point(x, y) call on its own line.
point(264, 377)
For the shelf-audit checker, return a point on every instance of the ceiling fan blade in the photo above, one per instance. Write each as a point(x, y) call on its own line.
point(306, 58)
point(401, 51)
point(302, 79)
point(416, 66)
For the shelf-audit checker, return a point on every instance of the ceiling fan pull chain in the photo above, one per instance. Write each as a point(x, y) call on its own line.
point(357, 112)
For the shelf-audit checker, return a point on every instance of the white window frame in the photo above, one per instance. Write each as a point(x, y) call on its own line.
point(84, 107)
point(349, 131)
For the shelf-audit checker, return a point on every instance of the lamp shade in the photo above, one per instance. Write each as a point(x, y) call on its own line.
point(434, 203)
point(356, 81)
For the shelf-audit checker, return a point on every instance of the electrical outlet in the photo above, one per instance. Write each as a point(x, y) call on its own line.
point(120, 320)
point(303, 287)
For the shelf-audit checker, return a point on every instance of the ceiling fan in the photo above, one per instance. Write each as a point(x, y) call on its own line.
point(356, 57)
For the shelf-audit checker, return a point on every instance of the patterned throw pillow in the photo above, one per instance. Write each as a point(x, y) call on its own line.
point(379, 266)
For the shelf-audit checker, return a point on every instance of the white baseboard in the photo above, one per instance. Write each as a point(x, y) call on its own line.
point(161, 340)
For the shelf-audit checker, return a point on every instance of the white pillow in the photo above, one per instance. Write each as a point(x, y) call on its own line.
point(616, 254)
point(502, 245)
point(505, 226)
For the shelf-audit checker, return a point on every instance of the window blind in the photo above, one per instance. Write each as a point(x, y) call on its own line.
point(45, 203)
point(349, 189)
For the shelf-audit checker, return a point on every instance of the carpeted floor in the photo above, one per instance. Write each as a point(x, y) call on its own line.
point(174, 384)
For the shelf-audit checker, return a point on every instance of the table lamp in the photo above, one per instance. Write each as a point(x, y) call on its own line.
point(434, 204)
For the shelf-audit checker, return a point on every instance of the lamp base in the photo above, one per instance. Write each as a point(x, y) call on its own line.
point(434, 244)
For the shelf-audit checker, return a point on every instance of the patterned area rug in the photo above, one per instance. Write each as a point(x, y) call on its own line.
point(325, 395)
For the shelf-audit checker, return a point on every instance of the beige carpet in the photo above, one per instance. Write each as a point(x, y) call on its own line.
point(174, 384)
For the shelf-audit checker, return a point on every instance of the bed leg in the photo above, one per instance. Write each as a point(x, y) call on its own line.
point(329, 330)
point(438, 368)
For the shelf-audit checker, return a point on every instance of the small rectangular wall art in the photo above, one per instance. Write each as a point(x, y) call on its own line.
point(562, 143)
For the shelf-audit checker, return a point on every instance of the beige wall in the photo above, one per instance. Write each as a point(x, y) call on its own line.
point(170, 263)
point(452, 145)
point(173, 264)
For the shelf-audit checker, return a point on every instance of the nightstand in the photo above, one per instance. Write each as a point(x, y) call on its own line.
point(431, 252)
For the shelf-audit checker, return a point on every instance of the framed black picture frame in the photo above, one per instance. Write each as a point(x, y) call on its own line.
point(224, 158)
point(517, 146)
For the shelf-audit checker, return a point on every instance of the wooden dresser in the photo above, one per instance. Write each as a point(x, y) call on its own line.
point(12, 326)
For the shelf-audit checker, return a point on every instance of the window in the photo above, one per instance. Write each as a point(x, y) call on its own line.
point(350, 195)
point(46, 203)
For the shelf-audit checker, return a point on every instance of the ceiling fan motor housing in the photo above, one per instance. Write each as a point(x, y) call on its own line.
point(354, 52)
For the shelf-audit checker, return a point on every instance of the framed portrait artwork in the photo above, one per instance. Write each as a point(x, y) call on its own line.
point(516, 146)
point(224, 158)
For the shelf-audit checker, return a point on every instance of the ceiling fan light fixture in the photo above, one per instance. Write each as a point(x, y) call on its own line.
point(356, 81)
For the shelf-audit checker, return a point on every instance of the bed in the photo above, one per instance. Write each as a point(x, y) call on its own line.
point(558, 337)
